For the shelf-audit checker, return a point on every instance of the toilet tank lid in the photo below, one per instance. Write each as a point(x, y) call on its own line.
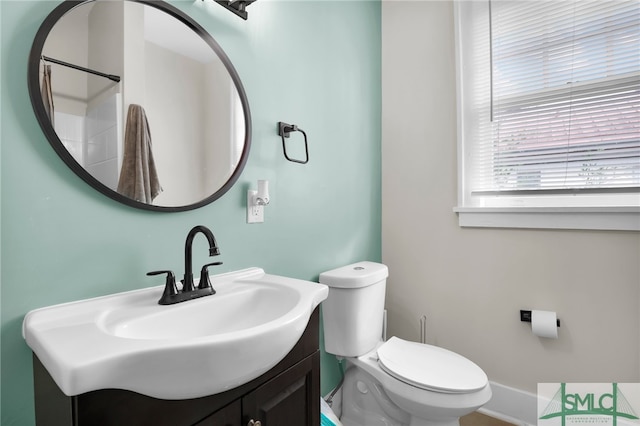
point(361, 274)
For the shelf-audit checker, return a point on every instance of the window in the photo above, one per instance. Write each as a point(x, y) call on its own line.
point(549, 113)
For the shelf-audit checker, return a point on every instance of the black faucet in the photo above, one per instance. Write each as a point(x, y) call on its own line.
point(171, 294)
point(187, 282)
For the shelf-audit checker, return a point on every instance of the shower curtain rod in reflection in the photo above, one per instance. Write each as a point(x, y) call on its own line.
point(79, 68)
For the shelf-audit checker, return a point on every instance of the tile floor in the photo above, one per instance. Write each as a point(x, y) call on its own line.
point(478, 419)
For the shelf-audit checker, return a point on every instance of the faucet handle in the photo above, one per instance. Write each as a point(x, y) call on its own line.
point(170, 289)
point(204, 276)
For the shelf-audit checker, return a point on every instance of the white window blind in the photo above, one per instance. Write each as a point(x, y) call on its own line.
point(553, 94)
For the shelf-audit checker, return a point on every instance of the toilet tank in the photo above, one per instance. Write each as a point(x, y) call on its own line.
point(352, 314)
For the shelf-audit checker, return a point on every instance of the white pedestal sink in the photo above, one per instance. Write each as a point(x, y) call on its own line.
point(187, 350)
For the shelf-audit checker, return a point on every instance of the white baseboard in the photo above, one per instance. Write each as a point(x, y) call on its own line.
point(512, 405)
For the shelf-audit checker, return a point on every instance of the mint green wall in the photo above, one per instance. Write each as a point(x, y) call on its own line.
point(313, 63)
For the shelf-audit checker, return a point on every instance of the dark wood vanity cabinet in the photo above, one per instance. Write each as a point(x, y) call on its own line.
point(286, 395)
point(231, 415)
point(287, 399)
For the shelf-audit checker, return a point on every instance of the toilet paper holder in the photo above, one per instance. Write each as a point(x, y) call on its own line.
point(525, 316)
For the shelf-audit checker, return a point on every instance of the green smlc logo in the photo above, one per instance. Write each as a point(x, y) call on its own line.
point(589, 405)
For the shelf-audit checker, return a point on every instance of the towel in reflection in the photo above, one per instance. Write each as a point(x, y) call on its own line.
point(138, 176)
point(47, 93)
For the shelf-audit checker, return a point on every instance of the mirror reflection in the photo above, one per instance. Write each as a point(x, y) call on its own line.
point(172, 131)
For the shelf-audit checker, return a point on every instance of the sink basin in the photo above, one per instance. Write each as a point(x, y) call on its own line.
point(187, 350)
point(238, 306)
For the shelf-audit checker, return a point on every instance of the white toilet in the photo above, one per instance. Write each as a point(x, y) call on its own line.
point(397, 382)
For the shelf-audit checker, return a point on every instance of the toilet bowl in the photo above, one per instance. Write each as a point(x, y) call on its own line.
point(398, 382)
point(457, 387)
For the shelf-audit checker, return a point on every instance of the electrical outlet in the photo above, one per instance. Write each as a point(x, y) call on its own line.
point(255, 213)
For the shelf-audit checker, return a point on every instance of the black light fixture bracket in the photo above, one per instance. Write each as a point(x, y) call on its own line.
point(236, 6)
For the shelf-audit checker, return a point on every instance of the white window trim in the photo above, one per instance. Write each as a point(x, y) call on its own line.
point(596, 218)
point(615, 217)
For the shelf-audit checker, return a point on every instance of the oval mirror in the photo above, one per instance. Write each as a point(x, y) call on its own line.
point(140, 102)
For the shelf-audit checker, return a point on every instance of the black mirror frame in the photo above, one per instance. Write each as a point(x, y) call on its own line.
point(33, 82)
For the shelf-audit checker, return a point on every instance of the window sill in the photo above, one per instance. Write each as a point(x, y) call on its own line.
point(596, 218)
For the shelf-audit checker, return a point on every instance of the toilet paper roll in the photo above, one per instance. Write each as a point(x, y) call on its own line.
point(544, 324)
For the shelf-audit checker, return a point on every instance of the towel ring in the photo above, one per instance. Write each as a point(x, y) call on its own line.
point(284, 130)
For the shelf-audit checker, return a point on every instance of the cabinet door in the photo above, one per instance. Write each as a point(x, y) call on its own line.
point(289, 399)
point(227, 416)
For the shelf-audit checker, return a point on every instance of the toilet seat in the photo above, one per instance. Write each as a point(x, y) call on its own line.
point(430, 367)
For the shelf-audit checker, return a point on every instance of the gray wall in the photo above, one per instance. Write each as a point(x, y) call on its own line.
point(471, 283)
